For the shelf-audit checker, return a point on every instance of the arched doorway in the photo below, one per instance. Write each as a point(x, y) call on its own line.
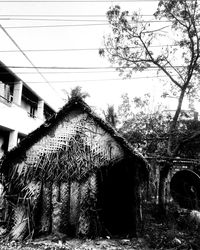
point(185, 189)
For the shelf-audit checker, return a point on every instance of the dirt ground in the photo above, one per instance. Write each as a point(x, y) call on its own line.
point(176, 232)
point(156, 236)
point(103, 244)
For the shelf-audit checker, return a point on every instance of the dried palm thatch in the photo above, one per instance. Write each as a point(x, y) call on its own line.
point(65, 153)
point(20, 223)
point(74, 135)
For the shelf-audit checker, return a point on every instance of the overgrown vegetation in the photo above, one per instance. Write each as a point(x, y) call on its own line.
point(130, 47)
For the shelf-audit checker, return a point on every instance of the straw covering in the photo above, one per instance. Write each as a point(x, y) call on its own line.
point(52, 173)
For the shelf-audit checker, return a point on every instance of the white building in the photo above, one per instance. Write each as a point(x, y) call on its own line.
point(21, 109)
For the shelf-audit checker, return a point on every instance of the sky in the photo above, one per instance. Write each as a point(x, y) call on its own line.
point(62, 38)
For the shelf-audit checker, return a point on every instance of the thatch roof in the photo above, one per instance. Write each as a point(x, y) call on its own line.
point(18, 154)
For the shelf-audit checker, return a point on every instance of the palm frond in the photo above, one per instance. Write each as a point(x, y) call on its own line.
point(20, 223)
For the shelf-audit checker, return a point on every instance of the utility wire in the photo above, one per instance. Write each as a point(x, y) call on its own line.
point(64, 25)
point(56, 26)
point(77, 20)
point(72, 1)
point(80, 49)
point(104, 80)
point(81, 68)
point(14, 42)
point(59, 15)
point(45, 19)
point(70, 72)
point(98, 80)
point(48, 19)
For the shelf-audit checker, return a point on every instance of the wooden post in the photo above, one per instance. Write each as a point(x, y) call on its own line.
point(133, 228)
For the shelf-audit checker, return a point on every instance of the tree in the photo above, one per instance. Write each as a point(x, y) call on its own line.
point(75, 92)
point(111, 116)
point(130, 46)
point(144, 128)
point(147, 131)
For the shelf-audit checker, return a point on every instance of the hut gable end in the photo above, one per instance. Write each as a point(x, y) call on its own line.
point(76, 146)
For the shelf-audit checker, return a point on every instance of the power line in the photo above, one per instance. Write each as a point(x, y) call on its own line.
point(74, 25)
point(104, 80)
point(45, 19)
point(70, 72)
point(72, 1)
point(81, 68)
point(55, 26)
point(76, 20)
point(81, 49)
point(58, 15)
point(99, 80)
point(64, 72)
point(24, 54)
point(50, 50)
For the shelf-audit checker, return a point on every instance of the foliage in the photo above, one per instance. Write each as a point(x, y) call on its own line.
point(131, 47)
point(76, 92)
point(190, 148)
point(111, 116)
point(20, 223)
point(147, 129)
point(143, 128)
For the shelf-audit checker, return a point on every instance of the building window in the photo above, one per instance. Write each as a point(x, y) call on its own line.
point(6, 92)
point(32, 112)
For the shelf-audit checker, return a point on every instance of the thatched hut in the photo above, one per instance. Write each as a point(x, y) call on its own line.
point(73, 175)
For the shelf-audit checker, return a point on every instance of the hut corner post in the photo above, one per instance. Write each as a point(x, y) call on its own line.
point(138, 224)
point(164, 171)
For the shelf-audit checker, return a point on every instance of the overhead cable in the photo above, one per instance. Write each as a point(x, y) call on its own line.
point(104, 80)
point(58, 15)
point(55, 26)
point(75, 20)
point(24, 54)
point(70, 72)
point(81, 49)
point(68, 25)
point(109, 67)
point(72, 1)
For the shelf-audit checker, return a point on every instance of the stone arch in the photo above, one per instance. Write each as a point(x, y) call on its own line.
point(185, 189)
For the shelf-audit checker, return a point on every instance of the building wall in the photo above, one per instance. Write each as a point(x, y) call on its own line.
point(16, 113)
point(14, 117)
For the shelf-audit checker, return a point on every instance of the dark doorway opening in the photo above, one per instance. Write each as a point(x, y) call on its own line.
point(116, 199)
